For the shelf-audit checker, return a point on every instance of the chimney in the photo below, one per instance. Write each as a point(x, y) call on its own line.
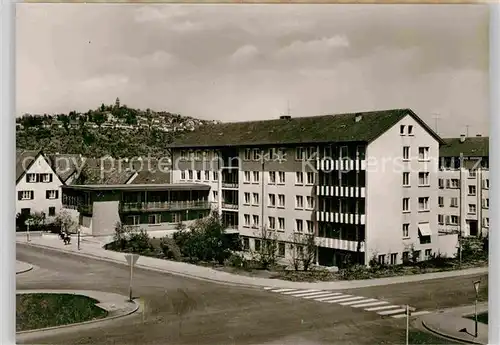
point(358, 118)
point(285, 117)
point(462, 138)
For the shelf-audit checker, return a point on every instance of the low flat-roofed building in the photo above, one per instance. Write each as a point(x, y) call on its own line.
point(150, 207)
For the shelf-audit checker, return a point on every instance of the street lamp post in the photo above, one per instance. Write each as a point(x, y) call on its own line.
point(476, 287)
point(28, 222)
point(78, 233)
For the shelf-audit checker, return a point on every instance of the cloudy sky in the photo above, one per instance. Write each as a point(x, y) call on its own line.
point(242, 62)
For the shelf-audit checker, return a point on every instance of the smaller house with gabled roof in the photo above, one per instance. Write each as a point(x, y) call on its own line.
point(38, 187)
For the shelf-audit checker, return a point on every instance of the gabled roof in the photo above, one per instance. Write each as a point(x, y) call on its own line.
point(151, 177)
point(65, 165)
point(24, 160)
point(471, 147)
point(306, 130)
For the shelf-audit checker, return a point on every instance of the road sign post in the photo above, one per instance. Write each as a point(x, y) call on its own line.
point(78, 233)
point(409, 310)
point(131, 260)
point(476, 287)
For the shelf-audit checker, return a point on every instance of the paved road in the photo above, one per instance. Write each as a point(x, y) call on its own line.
point(216, 314)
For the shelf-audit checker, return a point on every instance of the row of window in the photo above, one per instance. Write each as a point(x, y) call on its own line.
point(423, 153)
point(253, 199)
point(392, 259)
point(423, 179)
point(454, 220)
point(51, 213)
point(472, 207)
point(406, 130)
point(34, 178)
point(423, 204)
point(196, 175)
point(156, 219)
point(258, 243)
point(454, 183)
point(277, 223)
point(30, 194)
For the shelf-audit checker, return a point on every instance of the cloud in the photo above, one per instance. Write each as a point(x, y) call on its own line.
point(244, 54)
point(152, 13)
point(315, 48)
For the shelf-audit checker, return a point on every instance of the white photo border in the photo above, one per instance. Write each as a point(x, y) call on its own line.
point(7, 190)
point(7, 147)
point(494, 236)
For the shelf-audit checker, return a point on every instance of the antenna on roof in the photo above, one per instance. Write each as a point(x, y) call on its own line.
point(436, 118)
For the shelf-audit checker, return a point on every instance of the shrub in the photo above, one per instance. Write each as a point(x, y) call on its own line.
point(139, 242)
point(236, 260)
point(170, 249)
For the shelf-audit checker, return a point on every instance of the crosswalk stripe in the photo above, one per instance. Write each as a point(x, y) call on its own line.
point(399, 316)
point(309, 294)
point(298, 292)
point(345, 299)
point(382, 308)
point(268, 288)
point(283, 290)
point(389, 312)
point(324, 294)
point(356, 302)
point(364, 305)
point(335, 298)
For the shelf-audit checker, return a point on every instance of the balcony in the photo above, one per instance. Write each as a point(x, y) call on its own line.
point(229, 206)
point(226, 184)
point(328, 164)
point(343, 218)
point(341, 191)
point(164, 206)
point(353, 246)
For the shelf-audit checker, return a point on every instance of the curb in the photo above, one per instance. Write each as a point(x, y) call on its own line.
point(186, 275)
point(147, 268)
point(32, 331)
point(30, 267)
point(447, 336)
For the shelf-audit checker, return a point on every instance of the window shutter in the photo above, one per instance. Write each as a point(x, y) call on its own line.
point(50, 178)
point(32, 195)
point(57, 194)
point(19, 195)
point(47, 194)
point(447, 183)
point(37, 179)
point(447, 219)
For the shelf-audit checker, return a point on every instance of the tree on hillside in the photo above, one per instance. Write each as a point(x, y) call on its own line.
point(99, 119)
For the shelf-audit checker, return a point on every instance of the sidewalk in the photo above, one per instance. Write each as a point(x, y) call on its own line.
point(91, 247)
point(448, 323)
point(22, 267)
point(116, 305)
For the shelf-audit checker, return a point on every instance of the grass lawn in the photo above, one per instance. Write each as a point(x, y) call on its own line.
point(482, 317)
point(34, 311)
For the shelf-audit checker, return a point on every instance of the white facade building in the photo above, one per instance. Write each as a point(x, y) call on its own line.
point(365, 185)
point(38, 187)
point(464, 186)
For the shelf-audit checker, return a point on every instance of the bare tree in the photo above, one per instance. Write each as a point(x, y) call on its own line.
point(302, 250)
point(267, 253)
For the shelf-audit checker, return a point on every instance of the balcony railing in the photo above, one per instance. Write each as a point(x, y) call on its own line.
point(226, 184)
point(230, 206)
point(164, 206)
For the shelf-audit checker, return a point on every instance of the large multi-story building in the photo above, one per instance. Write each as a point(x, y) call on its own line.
point(463, 186)
point(364, 184)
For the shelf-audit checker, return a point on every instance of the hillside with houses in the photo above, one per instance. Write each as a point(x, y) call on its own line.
point(114, 130)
